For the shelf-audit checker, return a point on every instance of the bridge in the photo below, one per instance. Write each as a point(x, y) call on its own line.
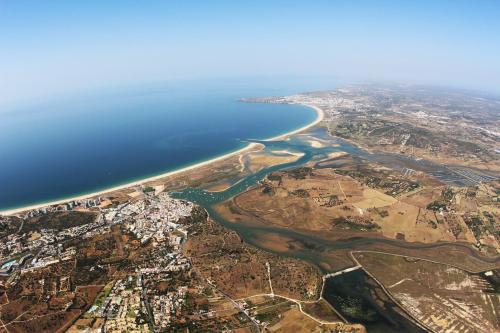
point(347, 270)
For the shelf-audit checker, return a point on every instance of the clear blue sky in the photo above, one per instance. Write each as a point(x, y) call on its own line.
point(49, 47)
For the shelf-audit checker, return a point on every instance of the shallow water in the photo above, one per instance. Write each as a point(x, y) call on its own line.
point(353, 294)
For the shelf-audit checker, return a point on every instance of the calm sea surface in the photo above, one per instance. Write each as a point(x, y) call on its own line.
point(80, 144)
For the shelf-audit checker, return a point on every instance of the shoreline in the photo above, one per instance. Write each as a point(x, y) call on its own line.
point(320, 115)
point(251, 145)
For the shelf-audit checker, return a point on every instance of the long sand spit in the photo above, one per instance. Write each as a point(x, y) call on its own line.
point(319, 118)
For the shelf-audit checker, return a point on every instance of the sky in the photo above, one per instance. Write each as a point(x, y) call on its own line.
point(53, 47)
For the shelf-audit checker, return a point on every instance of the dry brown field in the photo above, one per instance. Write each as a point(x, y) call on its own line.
point(440, 296)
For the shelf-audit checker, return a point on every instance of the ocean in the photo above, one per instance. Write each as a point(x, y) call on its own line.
point(78, 144)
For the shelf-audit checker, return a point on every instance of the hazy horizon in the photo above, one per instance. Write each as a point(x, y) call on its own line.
point(65, 47)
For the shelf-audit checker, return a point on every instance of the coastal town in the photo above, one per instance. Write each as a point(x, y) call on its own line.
point(127, 302)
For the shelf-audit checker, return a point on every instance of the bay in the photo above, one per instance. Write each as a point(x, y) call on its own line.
point(79, 144)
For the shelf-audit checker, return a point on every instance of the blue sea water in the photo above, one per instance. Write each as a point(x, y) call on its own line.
point(74, 145)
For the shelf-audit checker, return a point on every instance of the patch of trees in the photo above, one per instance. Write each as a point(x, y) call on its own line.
point(301, 193)
point(300, 173)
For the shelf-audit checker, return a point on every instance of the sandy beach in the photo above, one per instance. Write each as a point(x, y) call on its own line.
point(318, 119)
point(250, 146)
